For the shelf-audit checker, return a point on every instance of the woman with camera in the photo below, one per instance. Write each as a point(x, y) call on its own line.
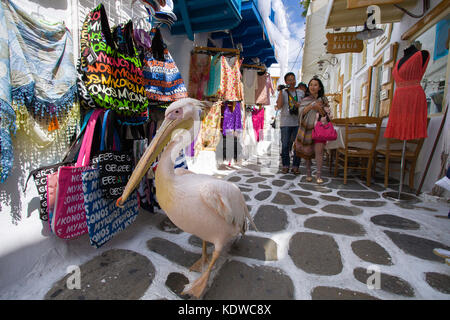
point(288, 103)
point(313, 108)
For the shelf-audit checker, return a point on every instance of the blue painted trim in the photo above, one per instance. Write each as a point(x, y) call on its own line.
point(206, 16)
point(186, 21)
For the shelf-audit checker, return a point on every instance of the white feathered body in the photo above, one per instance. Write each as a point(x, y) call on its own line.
point(212, 209)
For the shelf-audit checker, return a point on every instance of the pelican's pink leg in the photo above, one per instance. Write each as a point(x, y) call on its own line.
point(199, 285)
point(200, 263)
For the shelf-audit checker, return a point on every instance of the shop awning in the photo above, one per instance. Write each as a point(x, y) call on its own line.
point(314, 48)
point(252, 34)
point(339, 16)
point(195, 16)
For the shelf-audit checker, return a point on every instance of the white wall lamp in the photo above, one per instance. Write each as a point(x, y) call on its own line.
point(333, 61)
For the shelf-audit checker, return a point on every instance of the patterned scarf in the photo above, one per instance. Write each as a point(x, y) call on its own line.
point(36, 73)
point(209, 135)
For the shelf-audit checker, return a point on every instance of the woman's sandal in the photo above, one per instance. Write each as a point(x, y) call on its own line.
point(308, 176)
point(319, 181)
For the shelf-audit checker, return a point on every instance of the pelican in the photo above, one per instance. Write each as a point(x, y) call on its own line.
point(212, 209)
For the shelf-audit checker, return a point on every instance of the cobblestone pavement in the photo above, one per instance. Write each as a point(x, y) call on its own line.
point(332, 241)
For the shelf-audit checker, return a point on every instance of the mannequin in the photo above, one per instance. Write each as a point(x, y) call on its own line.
point(408, 52)
point(408, 114)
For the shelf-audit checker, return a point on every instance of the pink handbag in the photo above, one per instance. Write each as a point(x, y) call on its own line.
point(323, 132)
point(69, 217)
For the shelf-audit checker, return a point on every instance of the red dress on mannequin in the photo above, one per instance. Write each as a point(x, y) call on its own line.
point(408, 114)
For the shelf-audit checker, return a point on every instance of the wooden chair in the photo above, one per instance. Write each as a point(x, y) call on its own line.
point(338, 121)
point(335, 122)
point(411, 155)
point(355, 126)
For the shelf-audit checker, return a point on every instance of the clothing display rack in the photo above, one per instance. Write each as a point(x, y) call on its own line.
point(253, 66)
point(212, 50)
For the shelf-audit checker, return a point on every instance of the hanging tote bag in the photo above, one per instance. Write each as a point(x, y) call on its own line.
point(51, 179)
point(104, 218)
point(40, 180)
point(115, 166)
point(323, 132)
point(165, 83)
point(113, 79)
point(69, 219)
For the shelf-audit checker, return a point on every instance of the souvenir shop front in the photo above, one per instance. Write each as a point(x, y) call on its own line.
point(364, 82)
point(81, 99)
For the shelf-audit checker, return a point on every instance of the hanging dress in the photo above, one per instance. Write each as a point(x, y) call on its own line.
point(408, 114)
point(263, 90)
point(214, 76)
point(248, 135)
point(198, 75)
point(231, 87)
point(258, 122)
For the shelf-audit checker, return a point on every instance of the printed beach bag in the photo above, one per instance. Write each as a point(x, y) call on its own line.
point(115, 166)
point(68, 219)
point(113, 79)
point(104, 218)
point(165, 83)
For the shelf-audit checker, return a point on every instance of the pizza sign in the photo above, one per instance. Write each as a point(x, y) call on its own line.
point(344, 42)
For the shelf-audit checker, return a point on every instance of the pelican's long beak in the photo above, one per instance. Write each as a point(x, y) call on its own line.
point(161, 139)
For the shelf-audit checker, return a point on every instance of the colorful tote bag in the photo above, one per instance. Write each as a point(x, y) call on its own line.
point(68, 219)
point(104, 218)
point(165, 83)
point(113, 79)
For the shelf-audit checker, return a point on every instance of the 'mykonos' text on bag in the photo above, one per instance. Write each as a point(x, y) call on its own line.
point(113, 79)
point(69, 219)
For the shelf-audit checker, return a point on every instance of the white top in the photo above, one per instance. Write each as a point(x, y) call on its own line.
point(287, 119)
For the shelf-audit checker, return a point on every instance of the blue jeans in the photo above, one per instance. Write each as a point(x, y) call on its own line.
point(288, 135)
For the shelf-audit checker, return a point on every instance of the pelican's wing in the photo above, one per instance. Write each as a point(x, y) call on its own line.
point(226, 200)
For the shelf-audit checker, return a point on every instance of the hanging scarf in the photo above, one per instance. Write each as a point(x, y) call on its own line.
point(209, 135)
point(198, 75)
point(36, 73)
